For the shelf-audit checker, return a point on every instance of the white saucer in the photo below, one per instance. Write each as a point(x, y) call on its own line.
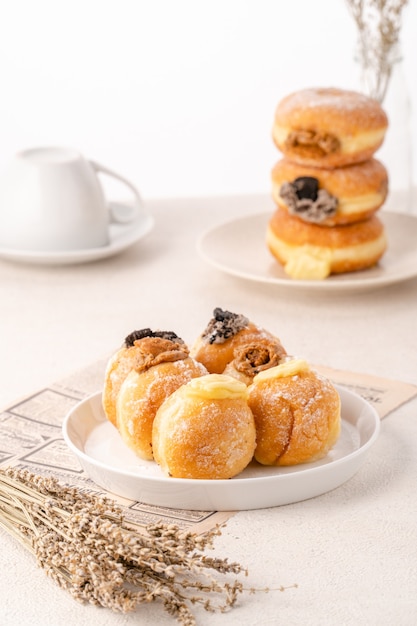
point(121, 237)
point(238, 248)
point(114, 467)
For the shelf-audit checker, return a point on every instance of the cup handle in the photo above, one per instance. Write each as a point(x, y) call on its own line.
point(119, 212)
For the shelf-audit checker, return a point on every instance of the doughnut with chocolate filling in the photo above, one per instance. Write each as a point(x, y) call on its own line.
point(205, 429)
point(330, 197)
point(162, 367)
point(223, 334)
point(297, 414)
point(328, 127)
point(309, 251)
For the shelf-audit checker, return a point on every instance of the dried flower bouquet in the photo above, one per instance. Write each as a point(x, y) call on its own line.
point(379, 25)
point(83, 543)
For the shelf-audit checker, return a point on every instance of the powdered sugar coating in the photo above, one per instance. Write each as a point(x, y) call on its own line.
point(297, 418)
point(325, 107)
point(142, 393)
point(203, 438)
point(143, 349)
point(328, 127)
point(118, 367)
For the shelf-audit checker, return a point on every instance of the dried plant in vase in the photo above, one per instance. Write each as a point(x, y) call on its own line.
point(83, 543)
point(379, 25)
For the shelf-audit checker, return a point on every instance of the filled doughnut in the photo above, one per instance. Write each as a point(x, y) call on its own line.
point(205, 429)
point(330, 197)
point(223, 334)
point(164, 366)
point(310, 251)
point(127, 358)
point(253, 357)
point(328, 127)
point(297, 414)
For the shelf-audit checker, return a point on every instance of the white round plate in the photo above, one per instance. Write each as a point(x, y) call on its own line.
point(114, 467)
point(121, 236)
point(238, 248)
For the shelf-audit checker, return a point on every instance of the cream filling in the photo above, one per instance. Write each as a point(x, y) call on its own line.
point(348, 144)
point(215, 387)
point(283, 370)
point(357, 204)
point(361, 141)
point(306, 263)
point(315, 262)
point(346, 206)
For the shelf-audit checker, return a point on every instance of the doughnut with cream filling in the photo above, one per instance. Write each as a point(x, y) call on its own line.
point(309, 251)
point(205, 429)
point(297, 414)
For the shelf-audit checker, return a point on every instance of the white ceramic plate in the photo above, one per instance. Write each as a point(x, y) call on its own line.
point(238, 248)
point(121, 236)
point(112, 466)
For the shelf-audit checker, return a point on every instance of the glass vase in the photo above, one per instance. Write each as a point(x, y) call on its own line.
point(387, 84)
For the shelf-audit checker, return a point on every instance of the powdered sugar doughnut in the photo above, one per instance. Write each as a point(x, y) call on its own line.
point(330, 197)
point(297, 414)
point(328, 127)
point(205, 429)
point(225, 332)
point(130, 356)
point(142, 393)
point(310, 251)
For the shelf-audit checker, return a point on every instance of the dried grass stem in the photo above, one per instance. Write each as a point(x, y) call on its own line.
point(379, 25)
point(83, 543)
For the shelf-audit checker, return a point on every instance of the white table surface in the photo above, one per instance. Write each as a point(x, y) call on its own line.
point(353, 551)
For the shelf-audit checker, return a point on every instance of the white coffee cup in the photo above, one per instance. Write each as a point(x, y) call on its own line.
point(51, 199)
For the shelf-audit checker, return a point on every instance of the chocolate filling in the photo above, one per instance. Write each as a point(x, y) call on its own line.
point(224, 325)
point(304, 199)
point(306, 187)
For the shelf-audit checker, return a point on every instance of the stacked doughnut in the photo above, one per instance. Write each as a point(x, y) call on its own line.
point(328, 186)
point(206, 413)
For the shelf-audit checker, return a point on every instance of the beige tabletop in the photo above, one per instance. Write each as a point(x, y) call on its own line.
point(352, 552)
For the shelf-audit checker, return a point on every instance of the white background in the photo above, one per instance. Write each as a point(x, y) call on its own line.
point(177, 95)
